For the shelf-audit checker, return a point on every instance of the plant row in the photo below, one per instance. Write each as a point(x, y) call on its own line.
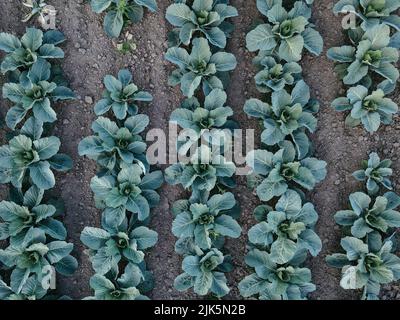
point(283, 167)
point(124, 189)
point(368, 66)
point(370, 227)
point(209, 216)
point(30, 220)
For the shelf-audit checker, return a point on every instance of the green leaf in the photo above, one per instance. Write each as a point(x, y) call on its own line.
point(313, 41)
point(227, 226)
point(32, 39)
point(290, 49)
point(261, 38)
point(41, 175)
point(47, 147)
point(149, 4)
point(252, 285)
point(8, 42)
point(113, 23)
point(282, 250)
point(99, 6)
point(178, 14)
point(145, 237)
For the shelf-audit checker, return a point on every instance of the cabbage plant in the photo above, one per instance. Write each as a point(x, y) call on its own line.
point(110, 246)
point(275, 76)
point(112, 146)
point(120, 12)
point(368, 215)
point(280, 171)
point(203, 16)
point(200, 66)
point(371, 12)
point(371, 55)
point(202, 172)
point(34, 94)
point(206, 222)
point(375, 172)
point(131, 190)
point(33, 254)
point(19, 219)
point(34, 45)
point(121, 96)
point(273, 281)
point(367, 108)
point(366, 266)
point(287, 229)
point(286, 33)
point(204, 273)
point(124, 287)
point(24, 157)
point(287, 117)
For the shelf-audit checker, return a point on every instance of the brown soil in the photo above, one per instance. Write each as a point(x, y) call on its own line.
point(90, 55)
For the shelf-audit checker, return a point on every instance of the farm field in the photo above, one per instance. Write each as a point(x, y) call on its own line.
point(90, 55)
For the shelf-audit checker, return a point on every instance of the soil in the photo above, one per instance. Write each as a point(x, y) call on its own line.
point(90, 55)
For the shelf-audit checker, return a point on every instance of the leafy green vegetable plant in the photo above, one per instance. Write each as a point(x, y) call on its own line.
point(368, 109)
point(120, 12)
point(34, 45)
point(121, 96)
point(206, 222)
point(371, 12)
point(286, 33)
point(287, 118)
point(376, 172)
point(200, 66)
point(365, 266)
point(202, 172)
point(273, 281)
point(34, 93)
point(204, 273)
point(204, 16)
point(277, 172)
point(368, 62)
point(20, 218)
point(371, 54)
point(274, 76)
point(287, 229)
point(125, 189)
